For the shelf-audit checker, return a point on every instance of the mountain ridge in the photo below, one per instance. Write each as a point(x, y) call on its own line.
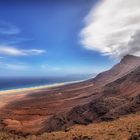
point(127, 64)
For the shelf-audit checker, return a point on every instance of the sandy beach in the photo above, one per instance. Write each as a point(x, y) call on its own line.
point(28, 89)
point(31, 89)
point(7, 96)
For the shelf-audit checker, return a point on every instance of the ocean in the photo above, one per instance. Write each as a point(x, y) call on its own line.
point(20, 82)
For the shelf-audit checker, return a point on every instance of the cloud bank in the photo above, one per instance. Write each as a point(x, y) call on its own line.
point(113, 28)
point(13, 51)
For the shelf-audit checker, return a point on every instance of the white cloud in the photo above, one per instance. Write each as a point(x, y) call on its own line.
point(113, 28)
point(8, 28)
point(16, 66)
point(11, 65)
point(13, 51)
point(50, 68)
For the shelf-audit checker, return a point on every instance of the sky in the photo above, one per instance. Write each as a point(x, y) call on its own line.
point(65, 37)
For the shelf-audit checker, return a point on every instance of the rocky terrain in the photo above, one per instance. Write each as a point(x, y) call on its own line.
point(124, 128)
point(107, 97)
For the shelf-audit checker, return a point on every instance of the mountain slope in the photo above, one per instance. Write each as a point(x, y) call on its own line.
point(91, 101)
point(120, 97)
point(125, 128)
point(126, 65)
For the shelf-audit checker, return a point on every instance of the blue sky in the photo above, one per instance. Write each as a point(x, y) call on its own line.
point(43, 39)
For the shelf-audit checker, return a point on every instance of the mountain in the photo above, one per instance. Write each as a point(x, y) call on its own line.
point(126, 65)
point(121, 97)
point(106, 97)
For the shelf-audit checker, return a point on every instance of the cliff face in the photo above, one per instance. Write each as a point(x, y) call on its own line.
point(108, 96)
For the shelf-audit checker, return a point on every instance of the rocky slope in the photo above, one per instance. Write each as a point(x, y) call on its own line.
point(108, 96)
point(120, 97)
point(124, 128)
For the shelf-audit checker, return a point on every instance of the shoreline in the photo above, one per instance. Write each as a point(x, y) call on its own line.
point(10, 91)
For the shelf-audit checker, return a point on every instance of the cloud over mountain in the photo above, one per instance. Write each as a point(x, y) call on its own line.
point(113, 28)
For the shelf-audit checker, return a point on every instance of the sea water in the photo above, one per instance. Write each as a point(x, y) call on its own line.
point(21, 82)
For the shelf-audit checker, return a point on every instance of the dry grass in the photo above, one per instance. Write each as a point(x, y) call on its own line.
point(121, 129)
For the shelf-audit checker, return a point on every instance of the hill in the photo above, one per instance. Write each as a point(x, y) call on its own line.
point(107, 97)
